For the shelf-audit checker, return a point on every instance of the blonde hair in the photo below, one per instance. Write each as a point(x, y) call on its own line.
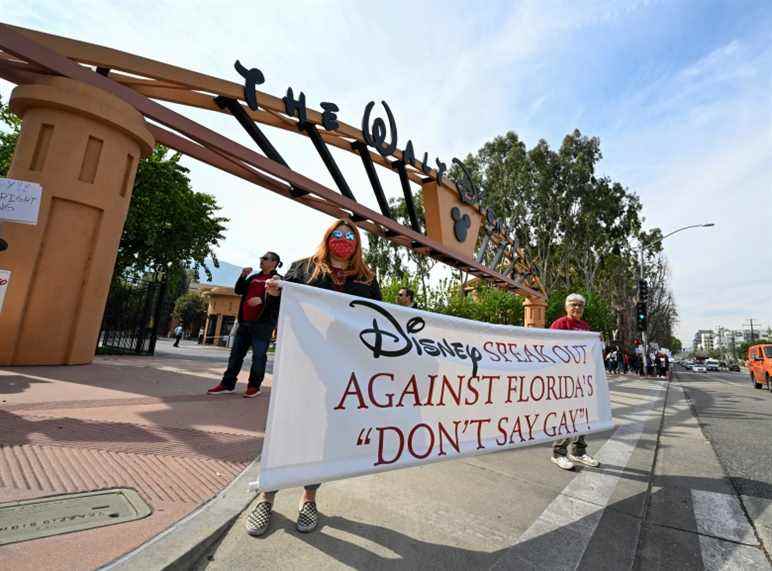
point(357, 265)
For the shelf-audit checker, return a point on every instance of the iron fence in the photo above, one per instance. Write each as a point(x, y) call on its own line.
point(134, 309)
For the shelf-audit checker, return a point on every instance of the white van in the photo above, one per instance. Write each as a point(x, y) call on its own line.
point(711, 364)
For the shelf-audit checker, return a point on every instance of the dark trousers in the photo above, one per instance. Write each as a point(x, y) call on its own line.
point(177, 340)
point(578, 448)
point(246, 337)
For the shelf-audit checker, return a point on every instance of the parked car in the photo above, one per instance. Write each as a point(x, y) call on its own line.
point(734, 367)
point(699, 368)
point(760, 365)
point(711, 364)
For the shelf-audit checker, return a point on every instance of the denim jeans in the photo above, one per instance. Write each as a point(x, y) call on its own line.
point(246, 337)
point(560, 447)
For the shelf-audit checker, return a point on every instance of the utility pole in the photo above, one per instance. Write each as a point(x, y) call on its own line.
point(750, 324)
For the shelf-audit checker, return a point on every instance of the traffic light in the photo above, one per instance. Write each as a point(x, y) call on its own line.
point(640, 316)
point(643, 291)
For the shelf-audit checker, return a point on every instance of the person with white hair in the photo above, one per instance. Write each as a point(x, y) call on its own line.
point(561, 455)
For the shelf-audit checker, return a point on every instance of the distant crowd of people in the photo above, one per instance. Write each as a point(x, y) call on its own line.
point(654, 364)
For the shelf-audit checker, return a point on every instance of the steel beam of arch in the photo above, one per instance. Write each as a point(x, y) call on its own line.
point(328, 160)
point(408, 194)
point(375, 182)
point(28, 50)
point(232, 166)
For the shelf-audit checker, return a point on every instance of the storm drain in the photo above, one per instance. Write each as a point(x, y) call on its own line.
point(53, 515)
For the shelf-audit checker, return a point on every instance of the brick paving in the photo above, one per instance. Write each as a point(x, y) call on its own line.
point(146, 424)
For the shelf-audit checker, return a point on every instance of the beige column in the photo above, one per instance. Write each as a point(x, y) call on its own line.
point(217, 330)
point(83, 146)
point(534, 313)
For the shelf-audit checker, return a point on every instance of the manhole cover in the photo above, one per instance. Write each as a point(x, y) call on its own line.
point(41, 517)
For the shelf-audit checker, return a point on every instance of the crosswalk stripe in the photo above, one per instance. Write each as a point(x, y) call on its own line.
point(577, 510)
point(718, 555)
point(721, 515)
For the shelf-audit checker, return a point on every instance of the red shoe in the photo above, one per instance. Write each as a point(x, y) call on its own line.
point(219, 390)
point(251, 392)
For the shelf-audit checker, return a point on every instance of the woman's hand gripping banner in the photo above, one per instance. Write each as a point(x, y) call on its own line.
point(361, 386)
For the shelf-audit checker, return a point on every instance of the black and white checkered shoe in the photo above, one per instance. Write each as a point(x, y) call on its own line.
point(308, 518)
point(258, 521)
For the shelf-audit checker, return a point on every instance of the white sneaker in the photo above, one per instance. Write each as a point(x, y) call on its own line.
point(585, 459)
point(562, 462)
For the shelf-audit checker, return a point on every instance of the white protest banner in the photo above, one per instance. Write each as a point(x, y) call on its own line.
point(361, 386)
point(5, 279)
point(19, 201)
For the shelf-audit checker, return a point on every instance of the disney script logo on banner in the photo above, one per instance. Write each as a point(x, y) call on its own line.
point(387, 338)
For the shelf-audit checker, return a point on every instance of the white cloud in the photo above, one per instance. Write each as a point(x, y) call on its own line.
point(693, 140)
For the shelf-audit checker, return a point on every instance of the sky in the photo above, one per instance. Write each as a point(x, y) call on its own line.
point(679, 93)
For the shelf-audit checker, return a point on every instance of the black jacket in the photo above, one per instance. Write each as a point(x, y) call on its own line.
point(301, 271)
point(266, 323)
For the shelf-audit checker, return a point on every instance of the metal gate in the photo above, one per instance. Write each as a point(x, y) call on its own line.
point(132, 315)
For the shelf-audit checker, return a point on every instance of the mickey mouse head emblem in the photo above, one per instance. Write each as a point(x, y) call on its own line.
point(461, 224)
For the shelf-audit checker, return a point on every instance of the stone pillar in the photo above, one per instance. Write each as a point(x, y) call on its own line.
point(83, 146)
point(534, 313)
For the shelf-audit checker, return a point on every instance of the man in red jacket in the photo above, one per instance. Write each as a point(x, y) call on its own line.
point(257, 319)
point(560, 455)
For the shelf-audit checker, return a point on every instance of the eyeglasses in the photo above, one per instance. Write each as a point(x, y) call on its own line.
point(576, 305)
point(340, 234)
point(267, 259)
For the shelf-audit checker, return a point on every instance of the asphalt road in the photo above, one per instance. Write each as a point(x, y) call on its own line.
point(737, 419)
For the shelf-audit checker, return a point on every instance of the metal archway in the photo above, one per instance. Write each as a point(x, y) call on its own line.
point(27, 55)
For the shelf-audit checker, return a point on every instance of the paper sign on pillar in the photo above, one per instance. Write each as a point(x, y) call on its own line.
point(361, 386)
point(19, 201)
point(5, 279)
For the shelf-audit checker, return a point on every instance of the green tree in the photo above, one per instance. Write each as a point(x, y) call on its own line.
point(675, 345)
point(190, 311)
point(169, 227)
point(8, 139)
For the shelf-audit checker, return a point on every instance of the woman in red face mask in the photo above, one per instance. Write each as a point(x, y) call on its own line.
point(338, 264)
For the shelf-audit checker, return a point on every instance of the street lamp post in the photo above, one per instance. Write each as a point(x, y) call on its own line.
point(640, 273)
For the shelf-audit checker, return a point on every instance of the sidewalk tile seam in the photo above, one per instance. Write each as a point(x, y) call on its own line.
point(652, 472)
point(699, 534)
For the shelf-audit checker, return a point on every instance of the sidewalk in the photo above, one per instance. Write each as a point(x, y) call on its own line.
point(659, 501)
point(140, 422)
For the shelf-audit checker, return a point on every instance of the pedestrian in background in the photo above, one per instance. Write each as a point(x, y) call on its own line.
point(178, 331)
point(257, 319)
point(406, 297)
point(561, 456)
point(338, 265)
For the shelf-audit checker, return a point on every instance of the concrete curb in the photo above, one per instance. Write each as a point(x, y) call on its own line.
point(184, 543)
